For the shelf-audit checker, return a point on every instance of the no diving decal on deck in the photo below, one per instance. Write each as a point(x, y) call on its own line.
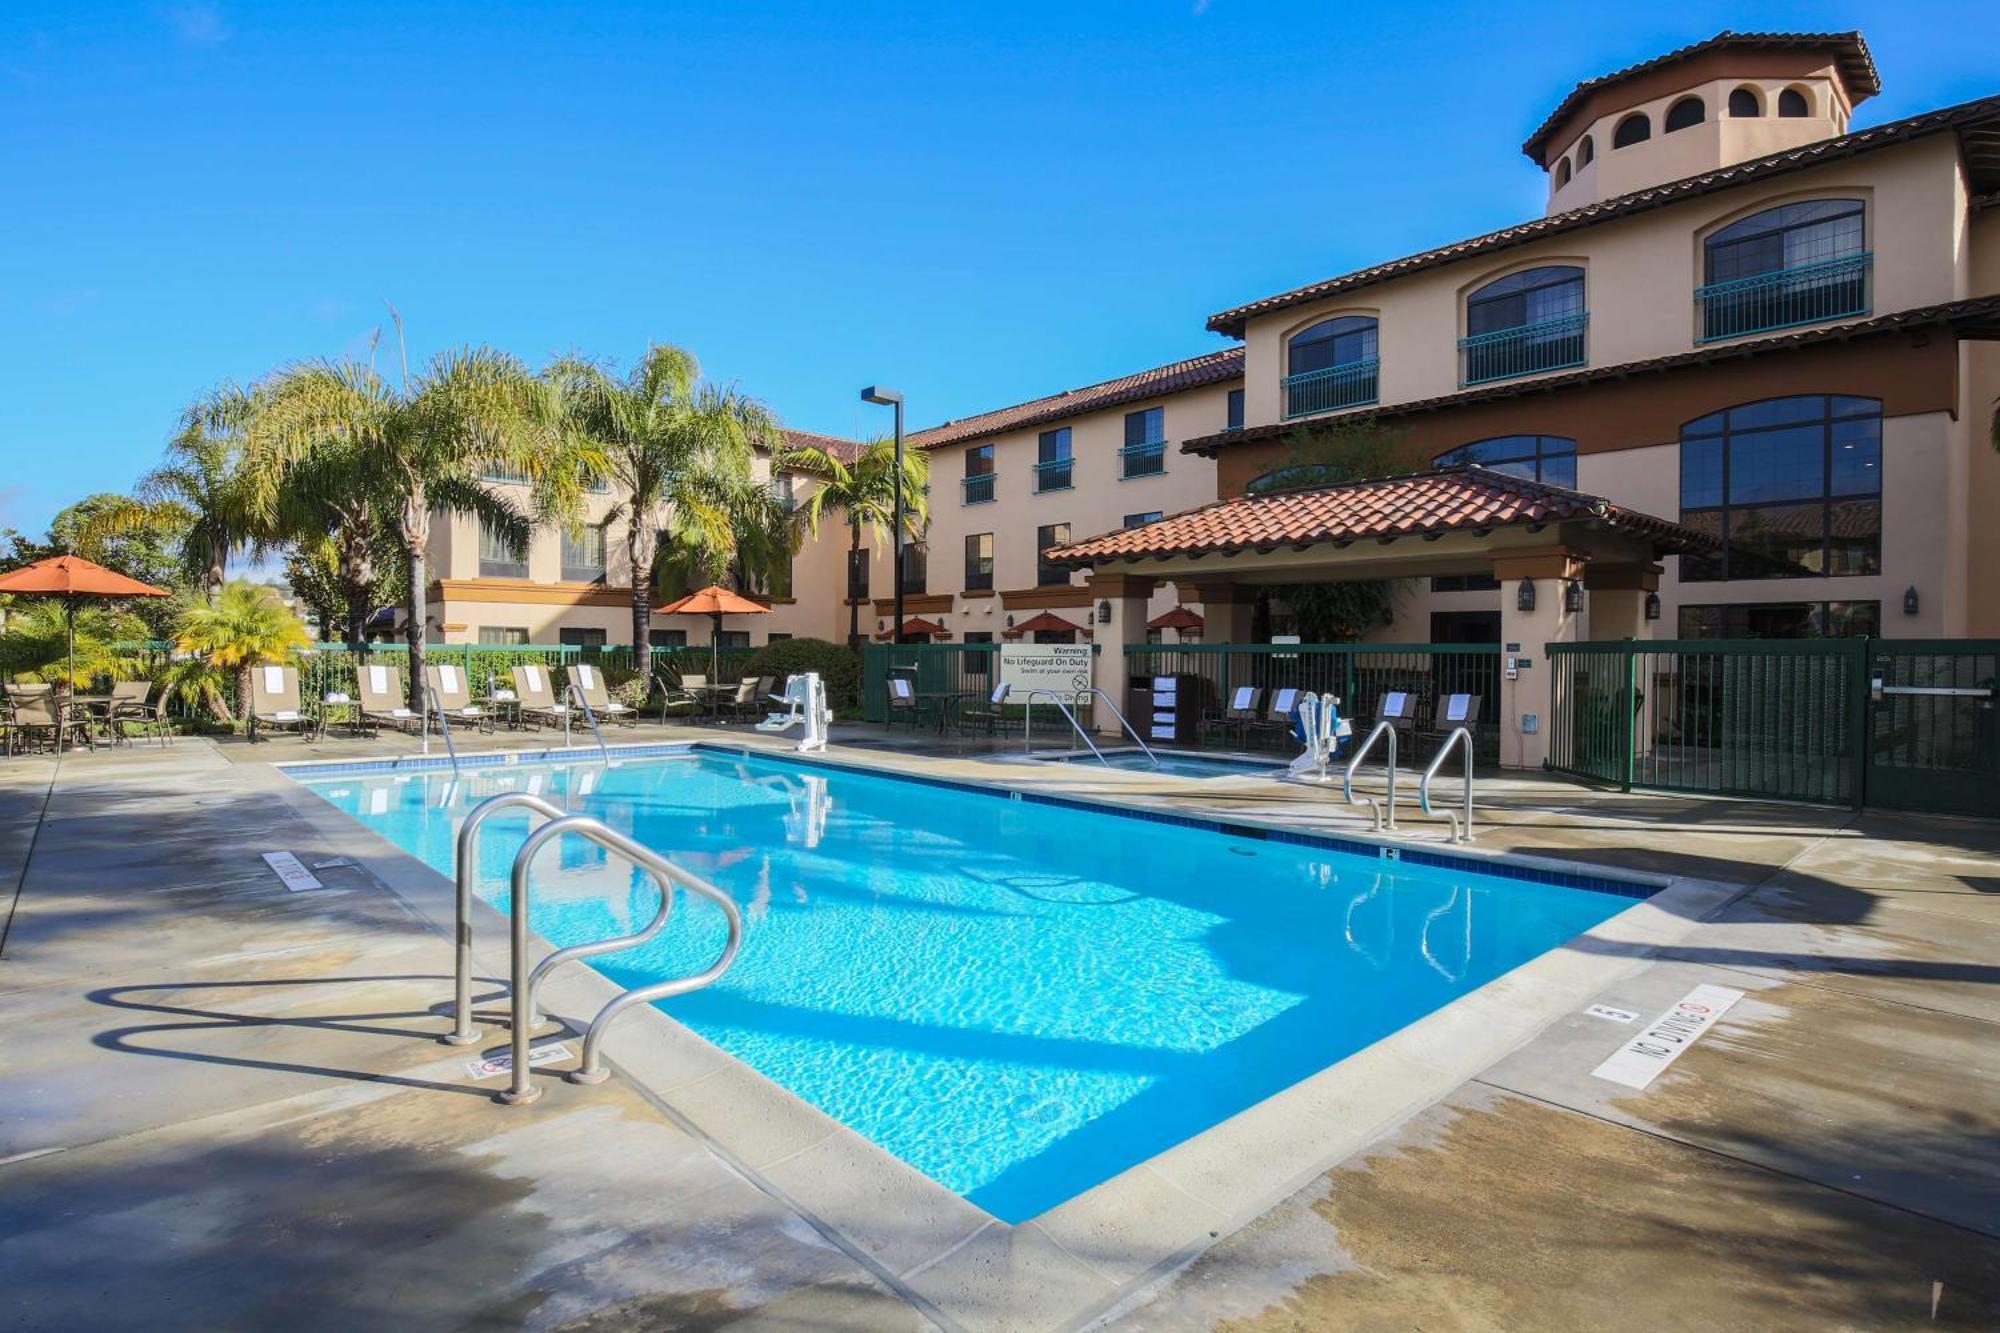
point(502, 1062)
point(1640, 1060)
point(293, 871)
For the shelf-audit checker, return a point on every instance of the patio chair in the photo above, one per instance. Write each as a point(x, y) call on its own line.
point(992, 715)
point(379, 691)
point(41, 713)
point(537, 691)
point(451, 695)
point(142, 702)
point(274, 701)
point(1276, 724)
point(675, 700)
point(1246, 705)
point(586, 682)
point(903, 701)
point(746, 701)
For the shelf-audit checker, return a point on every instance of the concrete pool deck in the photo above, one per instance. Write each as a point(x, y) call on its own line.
point(225, 1086)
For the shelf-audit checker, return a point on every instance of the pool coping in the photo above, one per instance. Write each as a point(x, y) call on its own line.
point(1090, 1254)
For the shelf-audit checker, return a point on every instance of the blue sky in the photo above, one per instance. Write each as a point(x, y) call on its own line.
point(977, 204)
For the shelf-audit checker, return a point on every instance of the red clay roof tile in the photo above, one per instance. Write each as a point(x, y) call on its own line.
point(1193, 373)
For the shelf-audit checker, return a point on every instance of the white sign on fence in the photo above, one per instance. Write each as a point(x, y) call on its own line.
point(1062, 667)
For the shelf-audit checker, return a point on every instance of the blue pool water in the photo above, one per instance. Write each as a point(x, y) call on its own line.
point(1019, 999)
point(1178, 765)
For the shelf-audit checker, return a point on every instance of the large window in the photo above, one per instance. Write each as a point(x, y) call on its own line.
point(1524, 323)
point(1232, 412)
point(916, 566)
point(509, 635)
point(667, 638)
point(1782, 620)
point(496, 561)
point(1549, 458)
point(1794, 264)
point(1685, 114)
point(1333, 364)
point(1053, 470)
point(978, 561)
point(1145, 451)
point(582, 638)
point(1046, 536)
point(979, 474)
point(1792, 487)
point(583, 555)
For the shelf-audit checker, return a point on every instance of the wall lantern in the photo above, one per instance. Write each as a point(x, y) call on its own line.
point(1652, 606)
point(1525, 600)
point(1910, 600)
point(1104, 611)
point(1573, 596)
point(1010, 622)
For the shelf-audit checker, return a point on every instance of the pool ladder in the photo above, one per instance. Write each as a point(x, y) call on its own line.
point(1028, 722)
point(525, 980)
point(1460, 831)
point(1382, 823)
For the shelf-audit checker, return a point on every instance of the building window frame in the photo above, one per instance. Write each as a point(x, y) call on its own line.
point(1145, 451)
point(979, 562)
point(1786, 265)
point(583, 553)
point(1047, 536)
point(1526, 322)
point(496, 560)
point(1549, 459)
point(1332, 364)
point(979, 482)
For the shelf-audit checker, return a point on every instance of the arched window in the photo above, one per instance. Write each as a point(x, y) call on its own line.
point(1331, 365)
point(1792, 103)
point(1635, 128)
point(1685, 113)
point(1526, 322)
point(1586, 152)
point(1545, 458)
point(1562, 173)
point(1745, 102)
point(1792, 487)
point(1793, 264)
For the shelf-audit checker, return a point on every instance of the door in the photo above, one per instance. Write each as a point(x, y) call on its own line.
point(1934, 726)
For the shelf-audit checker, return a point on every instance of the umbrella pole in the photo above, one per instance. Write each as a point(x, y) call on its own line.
point(69, 621)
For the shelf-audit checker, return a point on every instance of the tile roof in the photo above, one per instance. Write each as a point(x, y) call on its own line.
point(1452, 499)
point(1977, 316)
point(1857, 69)
point(918, 625)
point(1964, 117)
point(844, 450)
point(1193, 373)
point(1043, 620)
point(1179, 618)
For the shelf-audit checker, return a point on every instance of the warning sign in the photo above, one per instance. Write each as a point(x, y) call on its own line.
point(1062, 667)
point(1667, 1037)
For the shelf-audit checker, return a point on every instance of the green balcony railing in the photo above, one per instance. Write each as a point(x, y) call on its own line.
point(1145, 459)
point(1056, 474)
point(978, 489)
point(1785, 298)
point(1355, 384)
point(1529, 349)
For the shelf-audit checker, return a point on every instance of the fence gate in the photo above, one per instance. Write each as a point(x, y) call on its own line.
point(1934, 725)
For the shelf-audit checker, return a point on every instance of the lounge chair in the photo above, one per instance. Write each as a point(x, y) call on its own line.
point(903, 701)
point(1277, 720)
point(274, 701)
point(537, 691)
point(992, 716)
point(1246, 704)
point(586, 682)
point(451, 695)
point(379, 689)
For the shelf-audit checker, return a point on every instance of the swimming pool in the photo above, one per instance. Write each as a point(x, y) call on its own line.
point(1020, 998)
point(1175, 764)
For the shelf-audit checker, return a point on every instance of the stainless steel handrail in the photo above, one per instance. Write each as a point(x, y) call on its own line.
point(462, 1032)
point(521, 1089)
point(1130, 730)
point(1354, 762)
point(1458, 833)
point(1028, 723)
point(577, 696)
point(444, 728)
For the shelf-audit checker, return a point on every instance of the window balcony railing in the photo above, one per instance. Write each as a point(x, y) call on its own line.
point(1352, 385)
point(1146, 459)
point(1785, 298)
point(1530, 349)
point(979, 489)
point(1054, 475)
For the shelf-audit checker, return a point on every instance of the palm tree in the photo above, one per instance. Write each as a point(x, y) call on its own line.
point(246, 624)
point(36, 643)
point(674, 450)
point(863, 490)
point(418, 447)
point(198, 494)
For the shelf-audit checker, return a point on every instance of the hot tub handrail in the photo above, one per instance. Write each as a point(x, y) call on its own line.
point(1354, 762)
point(521, 1089)
point(590, 717)
point(431, 704)
point(1459, 833)
point(1130, 730)
point(1028, 723)
point(462, 1032)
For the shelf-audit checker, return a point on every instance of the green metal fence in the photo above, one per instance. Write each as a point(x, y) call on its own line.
point(1754, 717)
point(938, 668)
point(1934, 725)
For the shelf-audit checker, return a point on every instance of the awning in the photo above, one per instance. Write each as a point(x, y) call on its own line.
point(916, 627)
point(1180, 618)
point(1043, 622)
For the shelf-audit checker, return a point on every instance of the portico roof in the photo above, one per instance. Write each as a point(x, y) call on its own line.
point(1424, 505)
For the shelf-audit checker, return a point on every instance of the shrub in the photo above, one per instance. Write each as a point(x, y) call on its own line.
point(839, 669)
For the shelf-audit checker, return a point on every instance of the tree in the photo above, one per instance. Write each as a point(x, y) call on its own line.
point(862, 489)
point(36, 646)
point(675, 452)
point(243, 626)
point(148, 550)
point(1343, 451)
point(199, 493)
point(423, 445)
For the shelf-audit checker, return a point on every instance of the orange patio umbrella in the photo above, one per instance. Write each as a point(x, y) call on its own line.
point(718, 602)
point(71, 577)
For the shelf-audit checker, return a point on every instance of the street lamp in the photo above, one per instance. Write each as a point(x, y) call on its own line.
point(876, 393)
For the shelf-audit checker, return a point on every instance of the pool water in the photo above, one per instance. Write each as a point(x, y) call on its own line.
point(1019, 999)
point(1178, 765)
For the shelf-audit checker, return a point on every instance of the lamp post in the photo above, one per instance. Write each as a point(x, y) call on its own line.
point(876, 393)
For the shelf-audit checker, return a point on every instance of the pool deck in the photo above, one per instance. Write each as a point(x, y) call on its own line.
point(223, 1109)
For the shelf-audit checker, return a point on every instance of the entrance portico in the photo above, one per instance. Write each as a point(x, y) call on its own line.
point(1570, 566)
